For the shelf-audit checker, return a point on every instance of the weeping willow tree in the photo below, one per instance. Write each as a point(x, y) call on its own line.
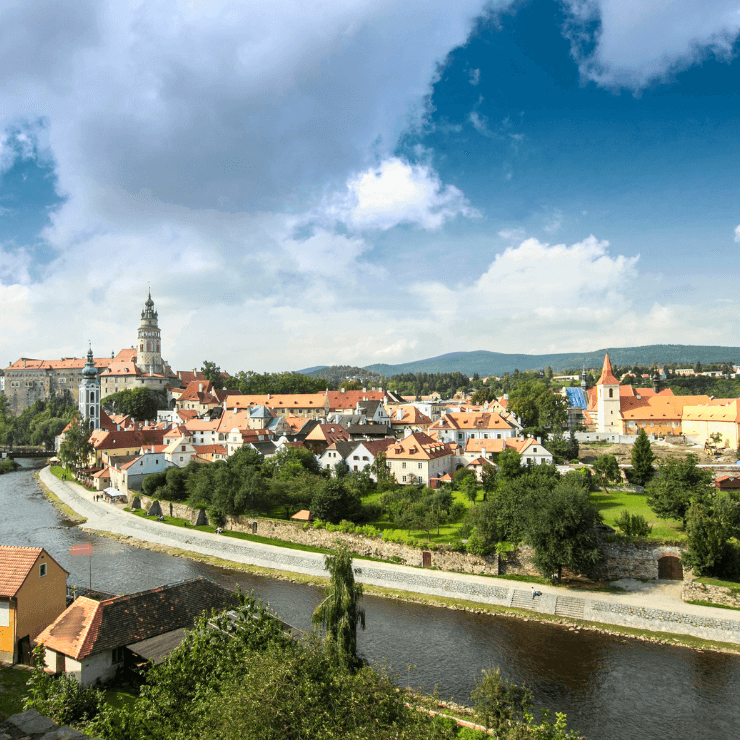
point(339, 613)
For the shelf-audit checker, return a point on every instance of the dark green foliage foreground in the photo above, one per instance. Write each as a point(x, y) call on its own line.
point(237, 675)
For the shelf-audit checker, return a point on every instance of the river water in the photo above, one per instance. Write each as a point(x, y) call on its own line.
point(610, 688)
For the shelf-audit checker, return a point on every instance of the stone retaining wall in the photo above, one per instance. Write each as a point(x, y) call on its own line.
point(695, 591)
point(375, 547)
point(633, 560)
point(621, 559)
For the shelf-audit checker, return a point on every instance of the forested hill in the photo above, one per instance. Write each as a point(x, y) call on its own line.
point(496, 363)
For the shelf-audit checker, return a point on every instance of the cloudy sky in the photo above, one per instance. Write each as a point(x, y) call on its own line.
point(361, 181)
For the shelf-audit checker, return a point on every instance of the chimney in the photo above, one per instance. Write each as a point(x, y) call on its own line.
point(200, 387)
point(399, 415)
point(483, 451)
point(268, 396)
point(341, 390)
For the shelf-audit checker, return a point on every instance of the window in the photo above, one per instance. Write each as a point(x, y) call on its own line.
point(403, 465)
point(42, 570)
point(118, 654)
point(611, 393)
point(419, 466)
point(404, 479)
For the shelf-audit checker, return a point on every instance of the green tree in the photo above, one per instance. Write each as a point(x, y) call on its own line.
point(469, 488)
point(676, 484)
point(712, 523)
point(642, 460)
point(212, 372)
point(498, 703)
point(291, 462)
point(606, 470)
point(339, 614)
point(139, 403)
point(333, 501)
point(386, 481)
point(538, 406)
point(489, 477)
point(509, 463)
point(561, 527)
point(76, 448)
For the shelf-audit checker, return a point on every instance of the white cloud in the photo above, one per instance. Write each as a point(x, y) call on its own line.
point(474, 76)
point(737, 233)
point(632, 43)
point(397, 192)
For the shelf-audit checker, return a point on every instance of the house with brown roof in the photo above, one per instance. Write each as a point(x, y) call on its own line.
point(530, 449)
point(418, 458)
point(460, 426)
point(33, 593)
point(92, 639)
point(323, 435)
point(408, 419)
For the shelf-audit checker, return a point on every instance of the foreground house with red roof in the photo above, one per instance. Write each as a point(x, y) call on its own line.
point(33, 593)
point(93, 639)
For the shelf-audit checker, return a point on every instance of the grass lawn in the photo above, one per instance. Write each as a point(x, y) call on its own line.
point(611, 506)
point(58, 470)
point(119, 699)
point(447, 533)
point(732, 585)
point(13, 689)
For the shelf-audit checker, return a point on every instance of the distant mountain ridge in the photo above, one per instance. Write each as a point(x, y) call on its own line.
point(496, 363)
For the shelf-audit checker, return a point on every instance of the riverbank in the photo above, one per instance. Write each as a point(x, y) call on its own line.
point(640, 613)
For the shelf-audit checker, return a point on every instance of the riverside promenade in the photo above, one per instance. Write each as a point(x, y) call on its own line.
point(655, 606)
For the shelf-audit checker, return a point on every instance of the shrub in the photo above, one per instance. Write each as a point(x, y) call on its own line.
point(633, 525)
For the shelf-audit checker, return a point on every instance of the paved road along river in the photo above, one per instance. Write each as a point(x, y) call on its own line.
point(611, 688)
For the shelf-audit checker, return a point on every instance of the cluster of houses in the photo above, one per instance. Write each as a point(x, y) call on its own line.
point(345, 426)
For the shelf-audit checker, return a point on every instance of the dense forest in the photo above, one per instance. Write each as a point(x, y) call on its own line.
point(37, 425)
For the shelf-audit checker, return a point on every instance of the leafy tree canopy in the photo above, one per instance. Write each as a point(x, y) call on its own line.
point(141, 404)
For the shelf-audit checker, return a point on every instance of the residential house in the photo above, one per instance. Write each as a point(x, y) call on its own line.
point(530, 449)
point(33, 593)
point(200, 396)
point(478, 465)
point(128, 475)
point(464, 425)
point(180, 452)
point(335, 453)
point(363, 455)
point(323, 435)
point(91, 639)
point(418, 458)
point(407, 420)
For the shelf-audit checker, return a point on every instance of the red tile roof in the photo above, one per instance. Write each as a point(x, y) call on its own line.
point(15, 565)
point(607, 375)
point(88, 627)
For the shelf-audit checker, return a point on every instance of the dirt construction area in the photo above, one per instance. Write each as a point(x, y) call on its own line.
point(661, 449)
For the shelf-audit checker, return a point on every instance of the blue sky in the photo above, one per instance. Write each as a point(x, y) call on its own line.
point(368, 181)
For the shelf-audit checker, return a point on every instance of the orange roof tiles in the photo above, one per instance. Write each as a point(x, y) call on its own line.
point(658, 407)
point(728, 412)
point(607, 375)
point(417, 446)
point(15, 565)
point(278, 400)
point(471, 420)
point(66, 363)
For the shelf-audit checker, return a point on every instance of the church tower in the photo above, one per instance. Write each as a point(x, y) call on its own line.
point(89, 393)
point(149, 350)
point(607, 400)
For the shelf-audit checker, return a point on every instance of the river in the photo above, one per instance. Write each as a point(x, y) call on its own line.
point(611, 688)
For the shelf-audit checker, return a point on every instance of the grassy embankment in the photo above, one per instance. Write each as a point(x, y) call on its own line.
point(59, 505)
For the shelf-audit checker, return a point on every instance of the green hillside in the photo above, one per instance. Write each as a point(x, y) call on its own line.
point(496, 363)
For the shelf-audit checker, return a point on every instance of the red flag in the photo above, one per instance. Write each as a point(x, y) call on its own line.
point(81, 549)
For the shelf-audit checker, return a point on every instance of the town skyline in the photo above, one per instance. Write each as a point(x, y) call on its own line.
point(377, 185)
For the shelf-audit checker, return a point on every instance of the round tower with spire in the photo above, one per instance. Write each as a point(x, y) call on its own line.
point(88, 401)
point(149, 350)
point(608, 404)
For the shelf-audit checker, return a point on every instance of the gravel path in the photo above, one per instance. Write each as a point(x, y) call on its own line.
point(107, 517)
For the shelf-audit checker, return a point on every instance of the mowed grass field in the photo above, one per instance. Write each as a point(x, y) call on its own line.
point(447, 533)
point(612, 504)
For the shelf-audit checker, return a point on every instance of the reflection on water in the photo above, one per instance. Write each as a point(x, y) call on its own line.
point(610, 687)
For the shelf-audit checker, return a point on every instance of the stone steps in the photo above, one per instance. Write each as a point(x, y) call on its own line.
point(569, 606)
point(523, 600)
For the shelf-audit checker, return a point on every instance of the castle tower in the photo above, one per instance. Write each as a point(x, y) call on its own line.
point(89, 393)
point(149, 350)
point(607, 400)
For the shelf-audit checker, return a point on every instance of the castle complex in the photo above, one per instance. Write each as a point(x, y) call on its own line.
point(28, 380)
